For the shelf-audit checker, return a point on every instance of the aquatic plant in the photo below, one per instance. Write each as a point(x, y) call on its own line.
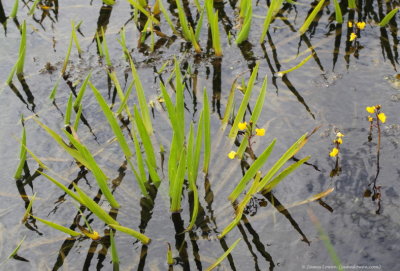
point(213, 23)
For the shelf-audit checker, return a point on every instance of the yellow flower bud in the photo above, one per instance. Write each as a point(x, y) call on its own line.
point(339, 141)
point(382, 117)
point(334, 152)
point(242, 125)
point(93, 235)
point(370, 109)
point(350, 24)
point(353, 36)
point(339, 134)
point(260, 132)
point(370, 119)
point(232, 155)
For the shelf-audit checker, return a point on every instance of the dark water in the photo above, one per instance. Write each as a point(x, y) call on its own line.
point(331, 91)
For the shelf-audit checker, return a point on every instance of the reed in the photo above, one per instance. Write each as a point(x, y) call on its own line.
point(247, 10)
point(213, 23)
point(338, 12)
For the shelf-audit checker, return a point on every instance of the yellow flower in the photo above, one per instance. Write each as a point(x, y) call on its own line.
point(339, 134)
point(370, 119)
point(334, 152)
point(370, 109)
point(339, 141)
point(382, 117)
point(260, 132)
point(353, 36)
point(242, 125)
point(350, 24)
point(361, 25)
point(232, 155)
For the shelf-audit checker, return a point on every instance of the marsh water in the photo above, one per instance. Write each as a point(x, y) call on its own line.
point(330, 91)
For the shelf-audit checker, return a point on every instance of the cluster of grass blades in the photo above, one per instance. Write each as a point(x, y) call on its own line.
point(186, 147)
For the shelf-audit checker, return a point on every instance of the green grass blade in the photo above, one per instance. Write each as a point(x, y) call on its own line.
point(32, 9)
point(139, 160)
point(94, 207)
point(167, 17)
point(22, 50)
point(81, 92)
point(143, 238)
point(105, 48)
point(227, 252)
point(260, 102)
point(274, 7)
point(99, 46)
point(242, 147)
point(274, 182)
point(325, 238)
point(14, 10)
point(53, 93)
point(77, 118)
point(282, 160)
point(179, 99)
point(41, 164)
point(68, 111)
point(311, 17)
point(64, 68)
point(199, 25)
point(99, 175)
point(124, 102)
point(138, 6)
point(177, 184)
point(114, 252)
point(245, 101)
point(75, 38)
point(12, 73)
point(58, 227)
point(28, 209)
point(22, 155)
point(244, 32)
point(15, 251)
point(251, 172)
point(338, 12)
point(388, 17)
point(147, 144)
point(170, 259)
point(144, 110)
point(112, 121)
point(109, 2)
point(304, 61)
point(63, 187)
point(207, 132)
point(352, 4)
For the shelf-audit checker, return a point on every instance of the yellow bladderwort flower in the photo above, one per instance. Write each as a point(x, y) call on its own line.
point(370, 119)
point(350, 24)
point(339, 141)
point(361, 25)
point(232, 155)
point(382, 117)
point(334, 152)
point(353, 36)
point(260, 132)
point(370, 109)
point(242, 125)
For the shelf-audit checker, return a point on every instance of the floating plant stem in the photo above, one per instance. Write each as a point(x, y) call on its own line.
point(22, 154)
point(143, 238)
point(311, 17)
point(388, 17)
point(338, 12)
point(304, 61)
point(58, 227)
point(227, 252)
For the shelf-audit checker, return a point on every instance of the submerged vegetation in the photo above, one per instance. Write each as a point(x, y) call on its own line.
point(171, 151)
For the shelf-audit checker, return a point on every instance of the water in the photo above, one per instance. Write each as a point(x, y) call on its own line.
point(331, 91)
